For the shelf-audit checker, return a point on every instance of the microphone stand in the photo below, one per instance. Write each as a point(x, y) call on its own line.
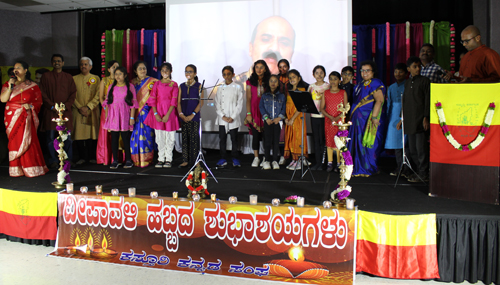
point(200, 157)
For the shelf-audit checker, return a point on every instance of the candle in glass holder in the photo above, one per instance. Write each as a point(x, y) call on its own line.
point(69, 187)
point(300, 201)
point(175, 195)
point(349, 203)
point(114, 192)
point(213, 197)
point(196, 197)
point(131, 192)
point(275, 202)
point(153, 194)
point(233, 199)
point(253, 199)
point(327, 204)
point(98, 189)
point(84, 189)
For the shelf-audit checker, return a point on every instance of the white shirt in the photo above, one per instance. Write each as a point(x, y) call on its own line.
point(229, 103)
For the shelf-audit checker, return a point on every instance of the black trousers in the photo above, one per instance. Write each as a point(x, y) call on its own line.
point(318, 128)
point(256, 138)
point(115, 140)
point(223, 142)
point(86, 149)
point(190, 141)
point(271, 141)
point(419, 152)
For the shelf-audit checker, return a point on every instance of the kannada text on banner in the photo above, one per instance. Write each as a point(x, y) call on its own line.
point(285, 243)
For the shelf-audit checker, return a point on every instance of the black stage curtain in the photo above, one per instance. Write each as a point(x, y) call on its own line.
point(468, 248)
point(135, 18)
point(44, 242)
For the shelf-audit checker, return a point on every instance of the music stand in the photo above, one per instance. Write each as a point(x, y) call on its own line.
point(200, 157)
point(304, 103)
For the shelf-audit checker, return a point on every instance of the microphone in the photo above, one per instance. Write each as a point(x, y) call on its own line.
point(12, 76)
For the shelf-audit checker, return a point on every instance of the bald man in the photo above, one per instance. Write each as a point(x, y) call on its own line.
point(272, 39)
point(480, 63)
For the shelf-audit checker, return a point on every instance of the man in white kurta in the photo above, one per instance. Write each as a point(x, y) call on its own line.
point(86, 115)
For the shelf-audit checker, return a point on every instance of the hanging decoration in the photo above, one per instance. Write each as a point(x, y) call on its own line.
point(155, 48)
point(407, 39)
point(142, 44)
point(452, 48)
point(354, 56)
point(103, 54)
point(113, 54)
point(431, 32)
point(388, 51)
point(127, 48)
point(374, 44)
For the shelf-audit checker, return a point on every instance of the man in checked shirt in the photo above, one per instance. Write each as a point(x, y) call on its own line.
point(430, 69)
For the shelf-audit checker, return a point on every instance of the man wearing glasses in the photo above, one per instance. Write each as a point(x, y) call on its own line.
point(480, 63)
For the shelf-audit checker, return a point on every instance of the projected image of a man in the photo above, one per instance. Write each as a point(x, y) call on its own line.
point(272, 39)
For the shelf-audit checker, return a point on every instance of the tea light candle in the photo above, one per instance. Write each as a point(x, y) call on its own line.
point(153, 194)
point(253, 199)
point(275, 202)
point(84, 189)
point(196, 197)
point(300, 201)
point(213, 197)
point(233, 199)
point(98, 189)
point(131, 192)
point(175, 195)
point(349, 203)
point(69, 187)
point(114, 192)
point(327, 204)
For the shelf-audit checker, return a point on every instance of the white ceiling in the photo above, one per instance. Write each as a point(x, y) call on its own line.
point(66, 5)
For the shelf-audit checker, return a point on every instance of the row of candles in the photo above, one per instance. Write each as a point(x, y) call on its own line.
point(196, 197)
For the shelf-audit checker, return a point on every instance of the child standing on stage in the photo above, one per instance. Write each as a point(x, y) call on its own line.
point(121, 104)
point(394, 139)
point(189, 107)
point(317, 91)
point(273, 109)
point(347, 76)
point(228, 105)
point(164, 119)
point(329, 104)
point(254, 91)
point(294, 131)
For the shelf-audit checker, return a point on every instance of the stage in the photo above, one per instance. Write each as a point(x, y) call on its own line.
point(461, 226)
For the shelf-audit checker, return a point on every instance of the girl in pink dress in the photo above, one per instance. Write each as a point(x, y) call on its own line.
point(329, 104)
point(121, 104)
point(164, 118)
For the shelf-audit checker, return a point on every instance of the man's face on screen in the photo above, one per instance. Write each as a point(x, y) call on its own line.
point(274, 40)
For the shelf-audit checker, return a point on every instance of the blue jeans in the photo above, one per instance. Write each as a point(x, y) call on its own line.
point(51, 135)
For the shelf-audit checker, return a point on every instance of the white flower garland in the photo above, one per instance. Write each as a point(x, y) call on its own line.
point(480, 137)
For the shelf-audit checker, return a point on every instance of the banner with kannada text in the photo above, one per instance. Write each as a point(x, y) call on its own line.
point(285, 243)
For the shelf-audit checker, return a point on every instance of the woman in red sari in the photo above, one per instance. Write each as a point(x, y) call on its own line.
point(24, 100)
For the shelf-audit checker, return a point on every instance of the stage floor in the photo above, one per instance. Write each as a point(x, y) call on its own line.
point(376, 193)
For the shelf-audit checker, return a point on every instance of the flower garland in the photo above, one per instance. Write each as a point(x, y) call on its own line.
point(346, 154)
point(63, 175)
point(480, 137)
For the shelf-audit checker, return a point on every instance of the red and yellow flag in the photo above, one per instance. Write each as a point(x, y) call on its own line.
point(464, 107)
point(28, 215)
point(394, 246)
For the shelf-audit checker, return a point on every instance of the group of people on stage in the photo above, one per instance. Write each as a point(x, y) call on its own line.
point(140, 115)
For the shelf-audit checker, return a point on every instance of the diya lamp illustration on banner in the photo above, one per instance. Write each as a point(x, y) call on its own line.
point(103, 251)
point(346, 164)
point(296, 267)
point(71, 249)
point(85, 250)
point(196, 183)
